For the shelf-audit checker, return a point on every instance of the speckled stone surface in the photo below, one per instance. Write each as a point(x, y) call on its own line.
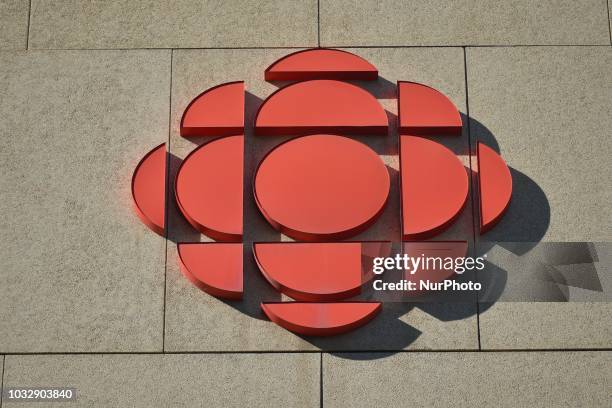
point(88, 88)
point(14, 24)
point(548, 111)
point(176, 24)
point(79, 270)
point(464, 22)
point(179, 380)
point(509, 379)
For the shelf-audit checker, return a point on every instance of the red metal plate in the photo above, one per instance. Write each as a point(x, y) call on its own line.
point(312, 272)
point(149, 189)
point(321, 106)
point(321, 63)
point(218, 111)
point(495, 185)
point(434, 187)
point(426, 111)
point(318, 271)
point(216, 268)
point(321, 187)
point(321, 319)
point(209, 187)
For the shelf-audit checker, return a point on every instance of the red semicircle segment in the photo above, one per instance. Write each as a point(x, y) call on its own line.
point(218, 111)
point(312, 271)
point(321, 106)
point(321, 187)
point(321, 63)
point(216, 268)
point(434, 186)
point(426, 111)
point(495, 186)
point(149, 189)
point(321, 319)
point(208, 188)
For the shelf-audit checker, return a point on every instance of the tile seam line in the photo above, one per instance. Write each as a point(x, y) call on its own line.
point(2, 379)
point(28, 33)
point(167, 198)
point(314, 352)
point(325, 46)
point(472, 186)
point(609, 21)
point(462, 45)
point(318, 23)
point(320, 380)
point(291, 47)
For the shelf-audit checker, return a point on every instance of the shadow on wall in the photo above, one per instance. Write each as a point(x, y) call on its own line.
point(526, 220)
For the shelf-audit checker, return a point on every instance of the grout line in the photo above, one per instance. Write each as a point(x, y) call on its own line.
point(609, 21)
point(165, 277)
point(319, 23)
point(321, 381)
point(478, 320)
point(2, 380)
point(177, 48)
point(466, 45)
point(472, 186)
point(28, 29)
point(327, 46)
point(167, 201)
point(423, 351)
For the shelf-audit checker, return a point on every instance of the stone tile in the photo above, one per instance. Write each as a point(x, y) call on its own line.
point(513, 379)
point(14, 24)
point(196, 321)
point(179, 24)
point(80, 273)
point(546, 326)
point(547, 111)
point(221, 380)
point(491, 22)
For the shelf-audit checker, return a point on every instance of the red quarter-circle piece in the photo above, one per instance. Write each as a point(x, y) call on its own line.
point(321, 63)
point(218, 111)
point(321, 187)
point(426, 111)
point(208, 188)
point(312, 271)
point(321, 319)
point(216, 268)
point(149, 189)
point(321, 106)
point(495, 185)
point(434, 187)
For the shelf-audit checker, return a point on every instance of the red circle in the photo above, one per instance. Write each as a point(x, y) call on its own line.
point(321, 187)
point(208, 188)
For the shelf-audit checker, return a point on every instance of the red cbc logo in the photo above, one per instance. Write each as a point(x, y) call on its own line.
point(319, 188)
